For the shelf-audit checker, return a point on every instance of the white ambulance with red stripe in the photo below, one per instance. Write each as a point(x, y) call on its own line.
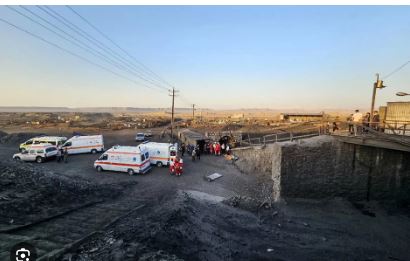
point(130, 159)
point(161, 154)
point(84, 144)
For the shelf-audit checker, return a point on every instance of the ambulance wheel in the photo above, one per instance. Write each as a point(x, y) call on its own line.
point(93, 151)
point(17, 159)
point(39, 160)
point(99, 169)
point(130, 172)
point(159, 164)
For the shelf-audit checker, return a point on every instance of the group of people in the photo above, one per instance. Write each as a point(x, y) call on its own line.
point(62, 155)
point(357, 121)
point(218, 148)
point(191, 150)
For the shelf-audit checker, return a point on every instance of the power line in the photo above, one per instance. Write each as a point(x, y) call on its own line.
point(396, 70)
point(84, 35)
point(70, 52)
point(119, 47)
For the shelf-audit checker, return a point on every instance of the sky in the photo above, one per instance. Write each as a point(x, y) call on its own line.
point(220, 57)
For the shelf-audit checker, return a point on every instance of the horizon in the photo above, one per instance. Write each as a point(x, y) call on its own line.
point(220, 57)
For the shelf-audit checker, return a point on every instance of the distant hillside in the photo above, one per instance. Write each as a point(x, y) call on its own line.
point(86, 109)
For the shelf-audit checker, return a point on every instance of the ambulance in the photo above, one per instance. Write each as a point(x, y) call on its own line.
point(84, 144)
point(130, 159)
point(161, 153)
point(52, 140)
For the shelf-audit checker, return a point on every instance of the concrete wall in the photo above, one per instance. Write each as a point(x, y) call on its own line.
point(322, 167)
point(255, 160)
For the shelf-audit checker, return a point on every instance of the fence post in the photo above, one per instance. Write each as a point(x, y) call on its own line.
point(276, 137)
point(291, 136)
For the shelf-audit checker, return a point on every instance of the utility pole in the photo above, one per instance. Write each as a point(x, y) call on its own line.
point(172, 93)
point(377, 85)
point(193, 114)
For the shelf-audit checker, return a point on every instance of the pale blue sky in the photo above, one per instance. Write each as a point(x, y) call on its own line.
point(306, 57)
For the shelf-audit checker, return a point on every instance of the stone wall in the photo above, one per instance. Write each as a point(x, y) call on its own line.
point(322, 167)
point(255, 160)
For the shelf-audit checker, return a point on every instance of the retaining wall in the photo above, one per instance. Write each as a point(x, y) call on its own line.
point(322, 167)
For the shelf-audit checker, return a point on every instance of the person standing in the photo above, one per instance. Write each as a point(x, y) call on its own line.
point(59, 152)
point(198, 153)
point(211, 148)
point(227, 149)
point(182, 149)
point(335, 127)
point(375, 120)
point(357, 119)
point(65, 155)
point(366, 122)
point(350, 122)
point(193, 154)
point(223, 147)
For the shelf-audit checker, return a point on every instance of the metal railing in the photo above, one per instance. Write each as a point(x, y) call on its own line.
point(285, 136)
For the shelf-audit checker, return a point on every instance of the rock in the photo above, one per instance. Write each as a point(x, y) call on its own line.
point(269, 250)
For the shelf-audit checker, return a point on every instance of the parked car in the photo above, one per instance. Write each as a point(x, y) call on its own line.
point(148, 134)
point(140, 137)
point(37, 153)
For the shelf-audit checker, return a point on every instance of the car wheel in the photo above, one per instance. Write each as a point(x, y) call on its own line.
point(93, 151)
point(159, 164)
point(39, 160)
point(130, 172)
point(17, 158)
point(99, 169)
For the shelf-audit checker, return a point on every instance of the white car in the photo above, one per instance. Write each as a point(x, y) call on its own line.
point(37, 153)
point(140, 137)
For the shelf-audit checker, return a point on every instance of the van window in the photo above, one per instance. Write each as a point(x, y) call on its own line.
point(32, 152)
point(67, 144)
point(51, 142)
point(29, 142)
point(146, 155)
point(142, 157)
point(50, 149)
point(173, 153)
point(40, 151)
point(36, 142)
point(104, 157)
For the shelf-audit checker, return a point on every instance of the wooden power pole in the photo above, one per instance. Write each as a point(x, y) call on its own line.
point(193, 114)
point(172, 94)
point(377, 85)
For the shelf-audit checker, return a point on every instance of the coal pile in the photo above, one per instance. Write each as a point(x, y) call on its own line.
point(29, 193)
point(16, 138)
point(2, 134)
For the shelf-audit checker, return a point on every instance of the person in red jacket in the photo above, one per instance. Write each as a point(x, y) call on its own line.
point(178, 167)
point(218, 149)
point(172, 167)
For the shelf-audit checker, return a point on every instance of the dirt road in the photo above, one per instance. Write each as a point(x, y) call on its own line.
point(190, 218)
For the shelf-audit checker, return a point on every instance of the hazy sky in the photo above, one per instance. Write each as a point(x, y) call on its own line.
point(304, 57)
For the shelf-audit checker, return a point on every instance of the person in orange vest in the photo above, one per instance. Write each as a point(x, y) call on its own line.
point(178, 167)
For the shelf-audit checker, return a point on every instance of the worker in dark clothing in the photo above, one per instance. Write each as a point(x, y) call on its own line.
point(182, 149)
point(59, 155)
point(375, 120)
point(198, 153)
point(335, 127)
point(65, 155)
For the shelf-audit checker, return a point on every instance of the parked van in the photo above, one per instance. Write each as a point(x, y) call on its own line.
point(38, 153)
point(130, 159)
point(84, 144)
point(52, 140)
point(161, 153)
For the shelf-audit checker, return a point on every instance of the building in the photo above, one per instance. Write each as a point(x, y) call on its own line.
point(301, 117)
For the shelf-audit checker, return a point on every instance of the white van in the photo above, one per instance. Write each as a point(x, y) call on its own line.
point(130, 159)
point(53, 140)
point(161, 153)
point(38, 153)
point(84, 144)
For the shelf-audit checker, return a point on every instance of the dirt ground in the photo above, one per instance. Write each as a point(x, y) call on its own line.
point(189, 218)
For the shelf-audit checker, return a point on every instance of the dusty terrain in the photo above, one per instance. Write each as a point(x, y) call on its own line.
point(161, 217)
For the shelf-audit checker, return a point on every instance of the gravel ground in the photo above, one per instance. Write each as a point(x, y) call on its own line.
point(190, 218)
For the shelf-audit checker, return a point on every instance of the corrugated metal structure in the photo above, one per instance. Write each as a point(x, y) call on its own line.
point(301, 117)
point(397, 117)
point(188, 136)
